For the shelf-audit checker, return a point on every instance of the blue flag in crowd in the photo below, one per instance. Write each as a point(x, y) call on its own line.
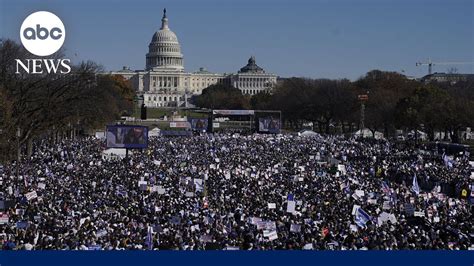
point(361, 217)
point(291, 197)
point(415, 186)
point(347, 188)
point(149, 238)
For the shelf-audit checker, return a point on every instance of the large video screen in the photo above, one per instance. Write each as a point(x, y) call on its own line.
point(269, 125)
point(127, 136)
point(199, 124)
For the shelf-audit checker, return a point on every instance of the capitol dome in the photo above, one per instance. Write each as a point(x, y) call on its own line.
point(164, 51)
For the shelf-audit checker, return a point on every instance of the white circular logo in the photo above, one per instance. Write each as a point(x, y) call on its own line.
point(42, 33)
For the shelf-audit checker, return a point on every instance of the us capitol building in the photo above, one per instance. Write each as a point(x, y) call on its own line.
point(164, 83)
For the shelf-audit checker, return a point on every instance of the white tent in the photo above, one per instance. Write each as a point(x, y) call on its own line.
point(154, 132)
point(366, 133)
point(420, 135)
point(113, 154)
point(100, 135)
point(307, 133)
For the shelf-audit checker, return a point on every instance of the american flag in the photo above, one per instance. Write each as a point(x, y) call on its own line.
point(385, 188)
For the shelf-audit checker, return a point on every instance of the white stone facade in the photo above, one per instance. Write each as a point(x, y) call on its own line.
point(164, 83)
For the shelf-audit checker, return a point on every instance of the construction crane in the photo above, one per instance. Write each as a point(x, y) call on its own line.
point(430, 64)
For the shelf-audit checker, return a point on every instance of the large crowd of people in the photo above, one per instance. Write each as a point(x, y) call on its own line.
point(231, 191)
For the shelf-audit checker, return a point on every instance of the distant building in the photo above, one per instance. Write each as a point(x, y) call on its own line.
point(164, 83)
point(447, 77)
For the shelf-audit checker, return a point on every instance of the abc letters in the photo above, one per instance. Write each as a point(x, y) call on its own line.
point(42, 33)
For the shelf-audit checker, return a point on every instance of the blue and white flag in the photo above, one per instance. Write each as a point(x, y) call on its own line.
point(361, 217)
point(291, 197)
point(415, 186)
point(447, 161)
point(347, 188)
point(149, 238)
point(385, 188)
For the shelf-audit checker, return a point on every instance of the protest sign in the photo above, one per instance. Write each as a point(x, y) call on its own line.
point(372, 201)
point(419, 214)
point(255, 220)
point(41, 185)
point(359, 193)
point(22, 224)
point(142, 185)
point(198, 184)
point(409, 209)
point(94, 247)
point(231, 248)
point(270, 234)
point(31, 195)
point(4, 218)
point(295, 228)
point(205, 238)
point(261, 225)
point(354, 228)
point(101, 233)
point(291, 205)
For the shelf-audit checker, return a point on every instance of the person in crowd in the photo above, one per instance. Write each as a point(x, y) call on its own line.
point(236, 191)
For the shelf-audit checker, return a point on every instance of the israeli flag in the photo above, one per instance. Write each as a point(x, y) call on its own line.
point(361, 217)
point(149, 238)
point(415, 186)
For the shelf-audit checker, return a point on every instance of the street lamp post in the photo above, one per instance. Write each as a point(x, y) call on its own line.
point(137, 104)
point(135, 107)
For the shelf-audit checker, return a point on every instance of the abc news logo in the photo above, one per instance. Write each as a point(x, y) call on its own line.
point(42, 33)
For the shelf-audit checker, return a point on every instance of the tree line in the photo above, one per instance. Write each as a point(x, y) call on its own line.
point(51, 105)
point(333, 106)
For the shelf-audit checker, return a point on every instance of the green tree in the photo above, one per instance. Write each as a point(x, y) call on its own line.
point(385, 90)
point(220, 96)
point(428, 106)
point(49, 104)
point(261, 101)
